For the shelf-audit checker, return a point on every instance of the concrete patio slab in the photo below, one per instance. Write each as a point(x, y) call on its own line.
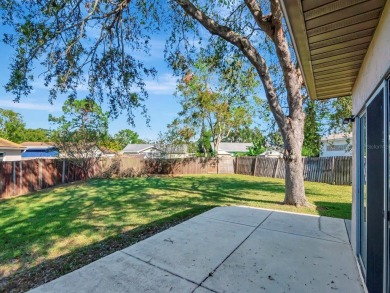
point(239, 215)
point(257, 251)
point(306, 225)
point(117, 272)
point(192, 249)
point(271, 261)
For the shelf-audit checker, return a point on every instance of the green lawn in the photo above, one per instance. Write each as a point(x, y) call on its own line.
point(49, 233)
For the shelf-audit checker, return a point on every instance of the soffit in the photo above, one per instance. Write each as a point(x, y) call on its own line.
point(331, 39)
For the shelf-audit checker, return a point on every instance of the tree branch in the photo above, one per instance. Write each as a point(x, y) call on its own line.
point(290, 74)
point(257, 14)
point(248, 50)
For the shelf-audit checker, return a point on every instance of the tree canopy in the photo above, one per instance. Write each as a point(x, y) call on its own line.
point(13, 128)
point(92, 43)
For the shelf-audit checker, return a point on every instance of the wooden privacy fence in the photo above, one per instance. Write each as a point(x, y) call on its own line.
point(21, 177)
point(332, 170)
point(133, 166)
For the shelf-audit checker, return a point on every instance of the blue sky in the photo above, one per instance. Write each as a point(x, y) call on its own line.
point(162, 105)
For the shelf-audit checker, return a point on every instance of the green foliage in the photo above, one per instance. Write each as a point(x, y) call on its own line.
point(109, 142)
point(338, 110)
point(38, 134)
point(80, 131)
point(81, 43)
point(259, 146)
point(126, 136)
point(12, 126)
point(204, 148)
point(312, 127)
point(323, 118)
point(210, 104)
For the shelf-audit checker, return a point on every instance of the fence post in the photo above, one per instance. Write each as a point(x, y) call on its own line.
point(14, 175)
point(40, 174)
point(276, 168)
point(236, 172)
point(21, 177)
point(332, 181)
point(63, 171)
point(254, 170)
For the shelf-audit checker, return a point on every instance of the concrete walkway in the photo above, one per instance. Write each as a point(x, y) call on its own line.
point(228, 249)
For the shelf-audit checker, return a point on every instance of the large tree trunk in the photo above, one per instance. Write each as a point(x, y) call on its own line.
point(293, 141)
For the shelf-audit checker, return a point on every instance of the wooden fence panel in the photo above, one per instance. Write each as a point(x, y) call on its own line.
point(332, 170)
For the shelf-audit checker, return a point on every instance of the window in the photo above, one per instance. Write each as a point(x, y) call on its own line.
point(337, 147)
point(1, 157)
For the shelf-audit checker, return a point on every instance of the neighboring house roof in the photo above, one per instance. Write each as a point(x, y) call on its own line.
point(6, 144)
point(234, 147)
point(136, 148)
point(331, 39)
point(37, 145)
point(337, 136)
point(107, 151)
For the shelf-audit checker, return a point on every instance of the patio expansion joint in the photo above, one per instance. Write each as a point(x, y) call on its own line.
point(160, 268)
point(319, 227)
point(230, 222)
point(296, 234)
point(234, 250)
point(348, 232)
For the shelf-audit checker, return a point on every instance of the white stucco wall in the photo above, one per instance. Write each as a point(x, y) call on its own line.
point(11, 155)
point(376, 62)
point(375, 65)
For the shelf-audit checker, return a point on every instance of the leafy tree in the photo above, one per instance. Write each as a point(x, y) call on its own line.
point(56, 34)
point(259, 146)
point(312, 138)
point(79, 132)
point(12, 126)
point(333, 113)
point(111, 143)
point(244, 133)
point(324, 118)
point(204, 144)
point(210, 104)
point(39, 134)
point(126, 136)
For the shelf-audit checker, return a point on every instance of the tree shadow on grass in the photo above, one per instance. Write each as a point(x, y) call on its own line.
point(334, 209)
point(51, 269)
point(35, 223)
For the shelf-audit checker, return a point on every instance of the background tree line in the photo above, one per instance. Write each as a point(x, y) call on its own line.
point(13, 128)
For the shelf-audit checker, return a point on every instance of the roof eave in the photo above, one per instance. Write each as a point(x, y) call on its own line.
point(293, 15)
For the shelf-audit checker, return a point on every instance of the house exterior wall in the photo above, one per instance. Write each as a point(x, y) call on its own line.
point(374, 68)
point(330, 148)
point(376, 62)
point(11, 155)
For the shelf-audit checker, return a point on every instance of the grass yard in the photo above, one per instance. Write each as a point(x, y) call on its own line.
point(50, 233)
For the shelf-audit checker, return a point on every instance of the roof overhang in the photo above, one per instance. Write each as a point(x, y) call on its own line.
point(331, 39)
point(12, 148)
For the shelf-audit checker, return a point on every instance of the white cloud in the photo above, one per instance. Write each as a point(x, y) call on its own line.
point(165, 84)
point(31, 106)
